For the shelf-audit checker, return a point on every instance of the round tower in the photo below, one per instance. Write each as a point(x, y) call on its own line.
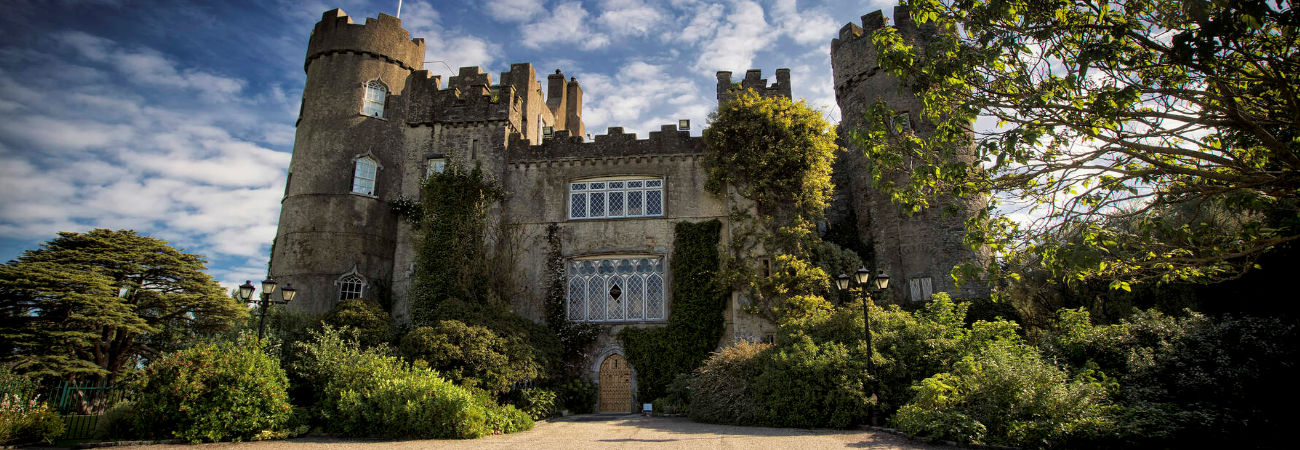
point(336, 233)
point(920, 250)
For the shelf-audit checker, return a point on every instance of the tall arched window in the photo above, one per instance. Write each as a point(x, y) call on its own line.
point(376, 93)
point(351, 285)
point(363, 176)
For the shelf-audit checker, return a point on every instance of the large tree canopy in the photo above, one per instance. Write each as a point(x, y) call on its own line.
point(1145, 139)
point(90, 304)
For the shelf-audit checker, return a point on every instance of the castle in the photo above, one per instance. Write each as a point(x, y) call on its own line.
point(373, 123)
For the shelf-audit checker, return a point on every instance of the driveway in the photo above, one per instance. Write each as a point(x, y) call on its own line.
point(617, 431)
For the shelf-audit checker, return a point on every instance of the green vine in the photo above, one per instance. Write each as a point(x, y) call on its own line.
point(575, 338)
point(696, 321)
point(452, 254)
point(408, 209)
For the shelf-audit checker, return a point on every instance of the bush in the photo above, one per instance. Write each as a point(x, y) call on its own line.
point(23, 416)
point(1007, 394)
point(537, 403)
point(119, 422)
point(578, 396)
point(372, 324)
point(364, 392)
point(472, 355)
point(215, 391)
point(719, 389)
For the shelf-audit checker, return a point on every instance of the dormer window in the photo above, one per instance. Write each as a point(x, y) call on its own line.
point(363, 176)
point(376, 94)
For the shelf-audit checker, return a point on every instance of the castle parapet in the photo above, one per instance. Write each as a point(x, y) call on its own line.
point(614, 143)
point(754, 80)
point(381, 37)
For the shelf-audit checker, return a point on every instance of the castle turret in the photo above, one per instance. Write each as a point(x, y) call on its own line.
point(917, 251)
point(336, 233)
point(754, 80)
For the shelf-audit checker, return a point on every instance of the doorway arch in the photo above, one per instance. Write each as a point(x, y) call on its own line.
point(615, 384)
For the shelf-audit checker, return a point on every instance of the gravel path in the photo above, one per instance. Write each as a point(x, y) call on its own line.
point(618, 431)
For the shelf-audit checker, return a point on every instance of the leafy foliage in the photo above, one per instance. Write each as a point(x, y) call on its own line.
point(372, 324)
point(695, 323)
point(24, 417)
point(472, 355)
point(364, 392)
point(775, 152)
point(214, 392)
point(575, 337)
point(1156, 139)
point(92, 304)
point(452, 254)
point(1005, 394)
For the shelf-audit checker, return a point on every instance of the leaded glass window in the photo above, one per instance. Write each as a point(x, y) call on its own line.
point(639, 282)
point(350, 286)
point(376, 94)
point(613, 198)
point(363, 176)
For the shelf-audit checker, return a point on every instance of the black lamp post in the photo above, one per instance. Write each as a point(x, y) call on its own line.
point(268, 287)
point(860, 279)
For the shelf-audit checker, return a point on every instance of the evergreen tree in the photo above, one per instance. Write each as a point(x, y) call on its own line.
point(89, 305)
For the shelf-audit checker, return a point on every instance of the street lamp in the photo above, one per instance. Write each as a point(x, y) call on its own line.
point(268, 287)
point(860, 278)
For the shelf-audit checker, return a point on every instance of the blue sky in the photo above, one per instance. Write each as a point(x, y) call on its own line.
point(175, 118)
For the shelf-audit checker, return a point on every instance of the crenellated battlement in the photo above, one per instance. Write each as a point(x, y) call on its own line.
point(754, 80)
point(381, 37)
point(614, 143)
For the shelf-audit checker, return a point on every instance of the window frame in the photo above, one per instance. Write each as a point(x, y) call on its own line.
point(597, 193)
point(579, 286)
point(920, 288)
point(352, 278)
point(357, 164)
point(367, 100)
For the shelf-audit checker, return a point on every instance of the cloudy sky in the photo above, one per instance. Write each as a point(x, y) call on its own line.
point(175, 118)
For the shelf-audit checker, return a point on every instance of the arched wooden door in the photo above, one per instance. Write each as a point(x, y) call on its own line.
point(615, 385)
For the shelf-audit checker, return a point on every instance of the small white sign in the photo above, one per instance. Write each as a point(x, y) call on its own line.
point(647, 407)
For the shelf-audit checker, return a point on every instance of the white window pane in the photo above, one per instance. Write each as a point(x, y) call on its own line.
point(597, 207)
point(577, 205)
point(655, 297)
point(615, 204)
point(577, 299)
point(596, 296)
point(654, 205)
point(634, 204)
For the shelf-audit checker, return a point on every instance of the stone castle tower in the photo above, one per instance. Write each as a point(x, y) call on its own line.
point(918, 251)
point(374, 124)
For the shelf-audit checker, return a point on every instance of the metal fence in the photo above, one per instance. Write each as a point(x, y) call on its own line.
point(82, 406)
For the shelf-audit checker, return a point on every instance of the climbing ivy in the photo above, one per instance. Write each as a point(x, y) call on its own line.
point(695, 322)
point(575, 338)
point(452, 252)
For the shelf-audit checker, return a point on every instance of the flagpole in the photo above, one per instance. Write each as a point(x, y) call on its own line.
point(399, 9)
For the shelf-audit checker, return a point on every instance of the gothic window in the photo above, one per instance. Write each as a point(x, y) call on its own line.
point(434, 165)
point(351, 285)
point(616, 197)
point(637, 281)
point(922, 288)
point(363, 176)
point(376, 94)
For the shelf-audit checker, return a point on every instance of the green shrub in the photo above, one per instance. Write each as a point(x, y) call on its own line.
point(720, 389)
point(538, 403)
point(508, 419)
point(372, 324)
point(1007, 394)
point(24, 417)
point(472, 355)
point(365, 392)
point(119, 422)
point(214, 392)
point(578, 396)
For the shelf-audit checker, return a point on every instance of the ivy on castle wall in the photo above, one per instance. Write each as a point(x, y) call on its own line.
point(451, 246)
point(575, 337)
point(696, 319)
point(778, 154)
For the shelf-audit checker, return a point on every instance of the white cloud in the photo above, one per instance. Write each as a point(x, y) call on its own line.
point(629, 17)
point(641, 97)
point(703, 24)
point(743, 33)
point(514, 10)
point(807, 27)
point(148, 67)
point(567, 24)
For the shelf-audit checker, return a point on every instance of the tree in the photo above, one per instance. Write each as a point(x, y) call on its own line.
point(89, 305)
point(1146, 139)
